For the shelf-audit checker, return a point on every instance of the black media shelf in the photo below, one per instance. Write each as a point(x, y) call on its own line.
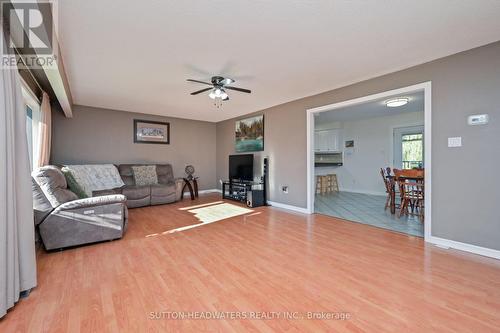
point(238, 191)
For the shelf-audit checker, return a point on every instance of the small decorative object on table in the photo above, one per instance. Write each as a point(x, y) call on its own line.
point(190, 182)
point(189, 172)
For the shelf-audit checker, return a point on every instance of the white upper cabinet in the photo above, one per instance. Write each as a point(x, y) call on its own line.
point(328, 140)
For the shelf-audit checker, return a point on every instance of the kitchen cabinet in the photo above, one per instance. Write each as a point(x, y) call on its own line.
point(328, 140)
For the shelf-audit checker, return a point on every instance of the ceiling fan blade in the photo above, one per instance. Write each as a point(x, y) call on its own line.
point(191, 80)
point(200, 91)
point(238, 89)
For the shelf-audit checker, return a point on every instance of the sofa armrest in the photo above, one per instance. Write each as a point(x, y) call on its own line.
point(93, 202)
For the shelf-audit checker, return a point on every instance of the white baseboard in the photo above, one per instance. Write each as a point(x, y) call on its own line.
point(362, 192)
point(447, 243)
point(288, 207)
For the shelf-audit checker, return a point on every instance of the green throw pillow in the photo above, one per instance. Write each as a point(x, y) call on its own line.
point(73, 185)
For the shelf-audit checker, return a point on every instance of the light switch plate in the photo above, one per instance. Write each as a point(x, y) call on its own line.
point(455, 142)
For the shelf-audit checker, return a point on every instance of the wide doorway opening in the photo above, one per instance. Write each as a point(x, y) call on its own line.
point(369, 160)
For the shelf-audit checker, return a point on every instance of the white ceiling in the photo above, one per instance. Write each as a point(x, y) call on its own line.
point(372, 109)
point(136, 55)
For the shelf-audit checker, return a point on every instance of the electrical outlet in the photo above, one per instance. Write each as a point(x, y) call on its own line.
point(284, 189)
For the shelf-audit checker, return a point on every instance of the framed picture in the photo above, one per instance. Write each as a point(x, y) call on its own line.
point(146, 131)
point(249, 134)
point(349, 144)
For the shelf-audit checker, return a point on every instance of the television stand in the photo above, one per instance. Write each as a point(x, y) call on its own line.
point(238, 191)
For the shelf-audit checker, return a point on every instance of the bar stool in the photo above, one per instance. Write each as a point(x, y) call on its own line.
point(333, 184)
point(326, 184)
point(319, 184)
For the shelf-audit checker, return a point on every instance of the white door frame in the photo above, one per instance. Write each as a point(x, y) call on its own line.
point(426, 87)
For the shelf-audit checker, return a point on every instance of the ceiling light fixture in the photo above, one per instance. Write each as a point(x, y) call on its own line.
point(217, 91)
point(394, 103)
point(218, 95)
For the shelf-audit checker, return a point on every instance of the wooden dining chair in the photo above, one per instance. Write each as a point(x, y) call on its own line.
point(388, 186)
point(412, 198)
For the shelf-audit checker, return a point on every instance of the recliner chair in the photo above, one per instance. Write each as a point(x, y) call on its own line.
point(64, 220)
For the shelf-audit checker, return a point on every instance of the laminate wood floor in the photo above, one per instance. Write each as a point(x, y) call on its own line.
point(266, 262)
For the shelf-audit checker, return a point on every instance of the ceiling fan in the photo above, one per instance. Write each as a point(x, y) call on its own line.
point(218, 86)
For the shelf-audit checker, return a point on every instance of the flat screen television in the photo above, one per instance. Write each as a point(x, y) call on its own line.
point(241, 167)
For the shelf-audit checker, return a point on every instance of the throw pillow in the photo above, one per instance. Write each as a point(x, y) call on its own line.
point(145, 175)
point(73, 184)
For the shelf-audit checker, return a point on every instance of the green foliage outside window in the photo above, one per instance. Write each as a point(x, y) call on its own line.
point(413, 151)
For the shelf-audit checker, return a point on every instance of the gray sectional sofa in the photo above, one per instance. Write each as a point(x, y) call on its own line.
point(167, 190)
point(64, 220)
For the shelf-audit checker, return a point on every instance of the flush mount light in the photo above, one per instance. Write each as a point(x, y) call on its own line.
point(394, 103)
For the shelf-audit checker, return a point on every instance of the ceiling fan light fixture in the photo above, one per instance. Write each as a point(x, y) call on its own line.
point(217, 89)
point(396, 102)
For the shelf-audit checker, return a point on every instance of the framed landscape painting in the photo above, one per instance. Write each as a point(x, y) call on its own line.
point(146, 131)
point(250, 134)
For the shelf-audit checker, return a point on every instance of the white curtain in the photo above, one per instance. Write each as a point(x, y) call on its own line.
point(44, 131)
point(17, 240)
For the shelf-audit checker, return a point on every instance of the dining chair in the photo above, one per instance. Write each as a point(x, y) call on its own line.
point(388, 186)
point(412, 198)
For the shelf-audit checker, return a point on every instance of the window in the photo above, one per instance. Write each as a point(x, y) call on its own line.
point(412, 148)
point(32, 107)
point(409, 147)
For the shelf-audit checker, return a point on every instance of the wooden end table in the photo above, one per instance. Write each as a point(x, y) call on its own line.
point(192, 186)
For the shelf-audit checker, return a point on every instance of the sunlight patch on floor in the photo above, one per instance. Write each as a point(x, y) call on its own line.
point(202, 205)
point(219, 212)
point(213, 213)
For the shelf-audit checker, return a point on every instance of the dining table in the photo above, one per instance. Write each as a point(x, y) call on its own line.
point(394, 180)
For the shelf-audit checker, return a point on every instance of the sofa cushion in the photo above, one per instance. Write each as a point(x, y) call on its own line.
point(127, 174)
point(136, 192)
point(163, 193)
point(145, 175)
point(101, 193)
point(165, 173)
point(53, 184)
point(163, 189)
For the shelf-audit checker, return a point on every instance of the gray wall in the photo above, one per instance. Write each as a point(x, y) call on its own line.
point(464, 190)
point(96, 135)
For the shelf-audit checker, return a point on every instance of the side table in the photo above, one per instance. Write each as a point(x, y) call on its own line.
point(192, 186)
